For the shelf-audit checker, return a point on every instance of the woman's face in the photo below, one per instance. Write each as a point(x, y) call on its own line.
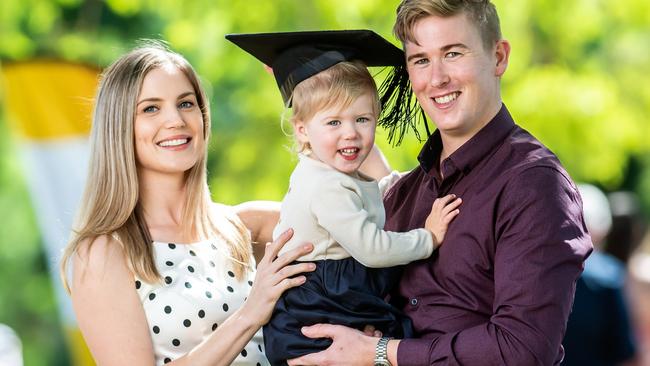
point(168, 123)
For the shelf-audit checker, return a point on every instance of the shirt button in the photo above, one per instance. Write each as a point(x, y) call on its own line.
point(414, 302)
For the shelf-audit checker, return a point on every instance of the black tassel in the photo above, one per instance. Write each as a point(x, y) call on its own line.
point(400, 109)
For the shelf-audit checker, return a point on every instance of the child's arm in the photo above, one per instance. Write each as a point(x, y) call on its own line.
point(444, 210)
point(340, 211)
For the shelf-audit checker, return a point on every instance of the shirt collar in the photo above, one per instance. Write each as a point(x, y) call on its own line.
point(474, 150)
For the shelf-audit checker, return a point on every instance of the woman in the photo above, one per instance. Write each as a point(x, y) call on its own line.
point(160, 274)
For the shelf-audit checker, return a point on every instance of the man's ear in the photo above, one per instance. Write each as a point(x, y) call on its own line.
point(502, 53)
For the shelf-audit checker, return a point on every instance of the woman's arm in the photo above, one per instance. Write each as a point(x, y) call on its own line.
point(260, 217)
point(105, 301)
point(114, 325)
point(274, 276)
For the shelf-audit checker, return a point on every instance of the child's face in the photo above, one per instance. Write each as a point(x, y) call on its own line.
point(341, 137)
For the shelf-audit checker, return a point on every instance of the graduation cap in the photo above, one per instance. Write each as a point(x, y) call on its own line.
point(296, 56)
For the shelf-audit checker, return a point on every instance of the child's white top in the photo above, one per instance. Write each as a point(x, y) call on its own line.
point(343, 216)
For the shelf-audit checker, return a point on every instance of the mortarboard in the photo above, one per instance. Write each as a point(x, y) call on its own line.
point(296, 56)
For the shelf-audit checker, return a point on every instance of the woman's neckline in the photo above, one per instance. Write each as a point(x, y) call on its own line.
point(177, 243)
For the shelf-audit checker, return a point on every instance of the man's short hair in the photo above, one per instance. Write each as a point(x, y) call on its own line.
point(481, 12)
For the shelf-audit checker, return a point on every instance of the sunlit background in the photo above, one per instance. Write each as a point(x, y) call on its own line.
point(578, 79)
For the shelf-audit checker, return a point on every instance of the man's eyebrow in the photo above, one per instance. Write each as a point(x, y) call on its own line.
point(454, 45)
point(444, 48)
point(415, 55)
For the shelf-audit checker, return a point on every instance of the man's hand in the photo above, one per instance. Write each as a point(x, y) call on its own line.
point(349, 347)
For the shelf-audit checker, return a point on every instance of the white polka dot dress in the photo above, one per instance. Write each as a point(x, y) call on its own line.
point(198, 293)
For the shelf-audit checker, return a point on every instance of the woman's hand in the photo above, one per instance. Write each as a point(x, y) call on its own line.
point(274, 276)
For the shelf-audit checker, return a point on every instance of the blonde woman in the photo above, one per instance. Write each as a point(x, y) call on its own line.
point(159, 274)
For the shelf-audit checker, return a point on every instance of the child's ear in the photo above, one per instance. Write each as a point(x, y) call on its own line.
point(300, 131)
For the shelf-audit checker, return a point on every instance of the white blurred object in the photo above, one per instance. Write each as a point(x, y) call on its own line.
point(598, 214)
point(10, 347)
point(640, 267)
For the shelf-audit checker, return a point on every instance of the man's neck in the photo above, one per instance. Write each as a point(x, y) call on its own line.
point(451, 142)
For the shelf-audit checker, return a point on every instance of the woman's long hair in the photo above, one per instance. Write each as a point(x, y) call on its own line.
point(110, 204)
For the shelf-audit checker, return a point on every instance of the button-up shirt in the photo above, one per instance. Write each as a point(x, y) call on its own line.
point(500, 288)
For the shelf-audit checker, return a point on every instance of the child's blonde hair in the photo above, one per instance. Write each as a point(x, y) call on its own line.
point(338, 86)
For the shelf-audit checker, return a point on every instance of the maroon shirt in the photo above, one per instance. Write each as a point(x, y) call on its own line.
point(499, 290)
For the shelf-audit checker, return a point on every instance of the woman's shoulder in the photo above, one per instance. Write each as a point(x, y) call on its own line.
point(101, 254)
point(227, 219)
point(220, 211)
point(99, 247)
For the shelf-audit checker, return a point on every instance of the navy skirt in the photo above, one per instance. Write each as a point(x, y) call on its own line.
point(340, 292)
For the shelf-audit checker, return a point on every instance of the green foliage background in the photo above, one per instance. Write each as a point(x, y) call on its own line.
point(578, 80)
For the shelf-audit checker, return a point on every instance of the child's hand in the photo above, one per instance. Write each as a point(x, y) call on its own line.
point(442, 212)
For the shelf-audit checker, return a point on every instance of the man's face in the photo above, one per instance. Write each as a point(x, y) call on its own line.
point(455, 79)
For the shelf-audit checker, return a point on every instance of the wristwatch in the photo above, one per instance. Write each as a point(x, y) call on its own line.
point(381, 352)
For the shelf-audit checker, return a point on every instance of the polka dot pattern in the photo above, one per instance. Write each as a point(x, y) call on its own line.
point(198, 292)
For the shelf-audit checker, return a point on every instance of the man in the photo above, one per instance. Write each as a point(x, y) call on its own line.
point(499, 290)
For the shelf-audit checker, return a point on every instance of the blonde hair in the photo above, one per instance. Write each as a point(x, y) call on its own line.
point(481, 12)
point(110, 204)
point(337, 86)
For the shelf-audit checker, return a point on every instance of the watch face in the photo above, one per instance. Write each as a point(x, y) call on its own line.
point(382, 363)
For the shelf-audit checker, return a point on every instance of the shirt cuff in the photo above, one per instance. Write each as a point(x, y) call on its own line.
point(414, 352)
point(432, 351)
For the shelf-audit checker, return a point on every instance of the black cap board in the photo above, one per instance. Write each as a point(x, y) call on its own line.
point(296, 56)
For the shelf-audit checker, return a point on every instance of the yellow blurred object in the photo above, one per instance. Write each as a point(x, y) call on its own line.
point(44, 92)
point(79, 352)
point(49, 106)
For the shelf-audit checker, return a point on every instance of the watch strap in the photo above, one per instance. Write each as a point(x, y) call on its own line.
point(381, 352)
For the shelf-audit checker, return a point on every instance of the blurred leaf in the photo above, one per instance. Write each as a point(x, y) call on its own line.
point(42, 16)
point(125, 7)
